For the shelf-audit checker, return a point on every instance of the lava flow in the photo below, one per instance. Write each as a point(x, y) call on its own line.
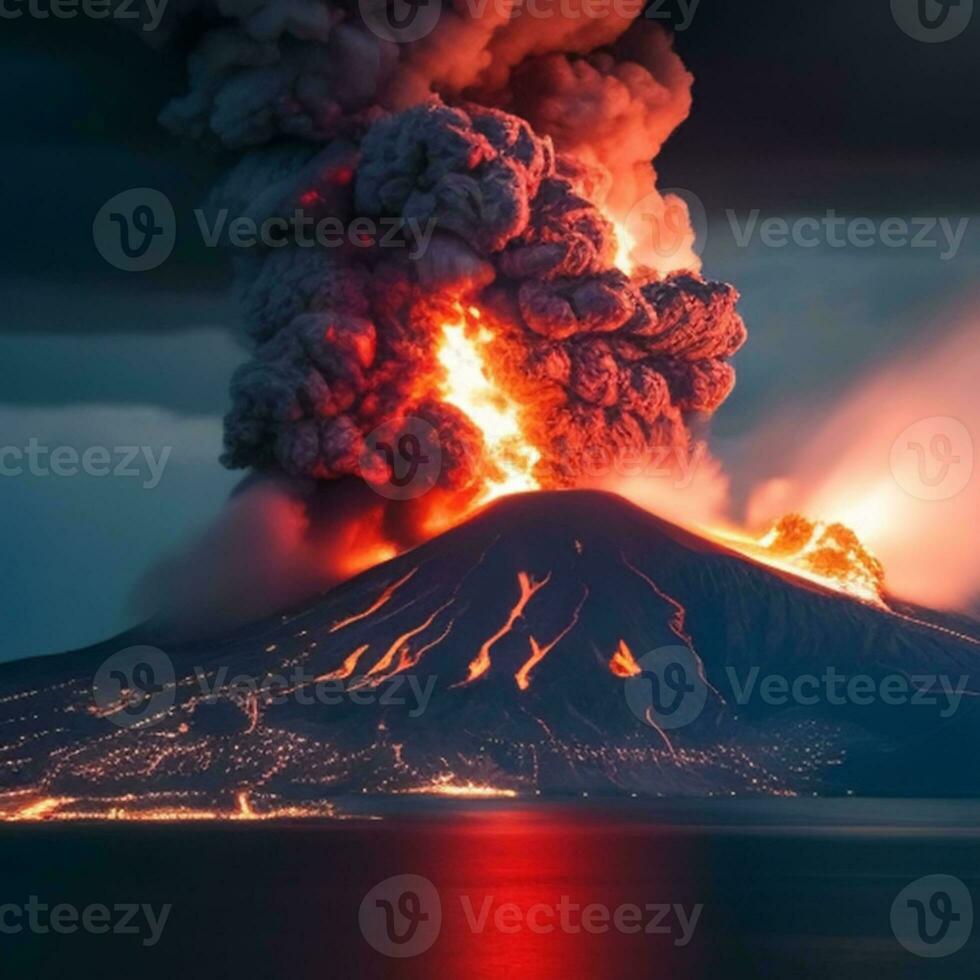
point(828, 554)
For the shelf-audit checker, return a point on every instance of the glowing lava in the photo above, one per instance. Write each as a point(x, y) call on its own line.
point(469, 386)
point(623, 663)
point(625, 243)
point(528, 586)
point(829, 554)
point(445, 787)
point(538, 652)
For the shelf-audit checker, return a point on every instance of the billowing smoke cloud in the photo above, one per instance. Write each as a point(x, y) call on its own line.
point(497, 149)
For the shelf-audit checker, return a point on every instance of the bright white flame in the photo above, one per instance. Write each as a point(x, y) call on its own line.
point(468, 386)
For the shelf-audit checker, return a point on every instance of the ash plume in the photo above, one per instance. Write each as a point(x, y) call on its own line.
point(502, 150)
point(512, 140)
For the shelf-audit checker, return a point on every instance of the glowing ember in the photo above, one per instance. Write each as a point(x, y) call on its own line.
point(133, 808)
point(469, 386)
point(625, 243)
point(444, 787)
point(828, 554)
point(623, 663)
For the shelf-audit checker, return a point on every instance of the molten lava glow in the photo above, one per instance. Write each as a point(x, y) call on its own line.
point(469, 790)
point(132, 808)
point(347, 667)
point(382, 600)
point(481, 662)
point(829, 554)
point(469, 386)
point(538, 652)
point(400, 645)
point(625, 243)
point(623, 663)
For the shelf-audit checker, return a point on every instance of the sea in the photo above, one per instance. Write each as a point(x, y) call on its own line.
point(582, 889)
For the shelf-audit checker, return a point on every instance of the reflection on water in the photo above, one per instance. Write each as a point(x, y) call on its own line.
point(673, 890)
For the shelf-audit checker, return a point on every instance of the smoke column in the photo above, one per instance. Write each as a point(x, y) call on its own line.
point(514, 145)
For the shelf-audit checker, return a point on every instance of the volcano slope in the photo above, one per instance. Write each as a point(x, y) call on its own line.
point(503, 654)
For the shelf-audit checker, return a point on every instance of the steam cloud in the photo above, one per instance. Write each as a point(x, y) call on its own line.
point(511, 138)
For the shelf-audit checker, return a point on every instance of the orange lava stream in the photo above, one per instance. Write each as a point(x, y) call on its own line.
point(538, 653)
point(382, 600)
point(623, 663)
point(481, 663)
point(679, 619)
point(346, 668)
point(385, 662)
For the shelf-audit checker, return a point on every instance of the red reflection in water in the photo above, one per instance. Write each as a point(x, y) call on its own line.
point(535, 895)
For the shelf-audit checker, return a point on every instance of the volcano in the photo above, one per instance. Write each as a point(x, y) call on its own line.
point(509, 656)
